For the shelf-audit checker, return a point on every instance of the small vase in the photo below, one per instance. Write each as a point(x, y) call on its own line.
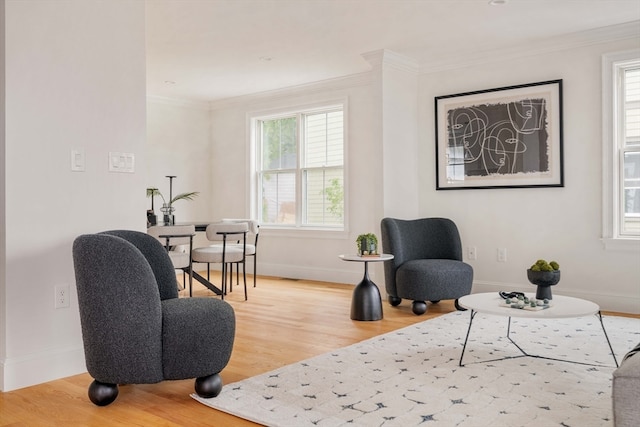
point(152, 219)
point(544, 280)
point(167, 214)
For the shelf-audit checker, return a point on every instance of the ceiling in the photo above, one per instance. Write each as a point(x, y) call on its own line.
point(207, 50)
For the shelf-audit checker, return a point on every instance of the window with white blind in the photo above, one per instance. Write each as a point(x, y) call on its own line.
point(300, 169)
point(621, 93)
point(630, 149)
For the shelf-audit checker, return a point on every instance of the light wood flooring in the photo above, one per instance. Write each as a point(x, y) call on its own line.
point(284, 321)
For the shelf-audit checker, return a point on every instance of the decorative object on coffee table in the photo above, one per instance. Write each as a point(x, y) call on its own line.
point(544, 274)
point(523, 302)
point(367, 245)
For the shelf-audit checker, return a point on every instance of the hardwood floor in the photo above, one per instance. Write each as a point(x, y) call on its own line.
point(284, 321)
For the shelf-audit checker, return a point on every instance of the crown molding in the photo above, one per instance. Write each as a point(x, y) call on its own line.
point(179, 102)
point(629, 30)
point(323, 86)
point(378, 58)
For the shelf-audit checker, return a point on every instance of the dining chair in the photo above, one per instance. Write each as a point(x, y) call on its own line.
point(178, 241)
point(226, 253)
point(251, 248)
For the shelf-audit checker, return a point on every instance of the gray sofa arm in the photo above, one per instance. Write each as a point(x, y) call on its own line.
point(626, 390)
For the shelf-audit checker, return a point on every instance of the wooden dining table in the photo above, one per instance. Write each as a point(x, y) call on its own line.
point(199, 225)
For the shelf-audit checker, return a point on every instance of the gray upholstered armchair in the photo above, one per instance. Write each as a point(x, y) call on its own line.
point(135, 329)
point(427, 263)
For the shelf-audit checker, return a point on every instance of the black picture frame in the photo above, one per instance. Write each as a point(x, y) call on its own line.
point(508, 137)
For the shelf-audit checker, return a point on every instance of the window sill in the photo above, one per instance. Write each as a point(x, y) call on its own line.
point(620, 244)
point(304, 232)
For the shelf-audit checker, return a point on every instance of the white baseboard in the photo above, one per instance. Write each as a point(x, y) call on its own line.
point(25, 371)
point(348, 276)
point(607, 302)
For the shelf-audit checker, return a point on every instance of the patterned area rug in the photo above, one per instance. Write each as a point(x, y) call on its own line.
point(411, 377)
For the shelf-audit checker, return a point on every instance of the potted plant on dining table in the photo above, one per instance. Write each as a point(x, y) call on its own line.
point(167, 209)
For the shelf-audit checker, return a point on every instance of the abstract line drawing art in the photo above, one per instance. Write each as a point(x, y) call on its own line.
point(500, 138)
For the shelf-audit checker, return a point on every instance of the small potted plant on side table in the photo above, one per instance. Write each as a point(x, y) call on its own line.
point(367, 245)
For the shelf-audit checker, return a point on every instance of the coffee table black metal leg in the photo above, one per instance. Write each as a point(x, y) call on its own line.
point(472, 315)
point(599, 316)
point(524, 353)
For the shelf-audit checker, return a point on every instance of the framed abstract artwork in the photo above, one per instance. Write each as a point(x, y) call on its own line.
point(500, 138)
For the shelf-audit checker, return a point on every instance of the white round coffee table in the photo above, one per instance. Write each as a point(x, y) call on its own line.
point(366, 303)
point(560, 307)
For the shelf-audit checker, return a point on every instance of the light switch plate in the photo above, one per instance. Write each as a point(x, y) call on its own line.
point(77, 160)
point(121, 162)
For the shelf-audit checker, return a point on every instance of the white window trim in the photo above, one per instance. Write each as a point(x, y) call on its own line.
point(307, 231)
point(611, 237)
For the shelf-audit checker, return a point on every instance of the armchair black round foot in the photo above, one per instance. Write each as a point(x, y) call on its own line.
point(394, 301)
point(458, 306)
point(209, 386)
point(102, 394)
point(419, 307)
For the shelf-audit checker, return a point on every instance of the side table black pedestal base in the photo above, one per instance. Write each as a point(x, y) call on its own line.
point(366, 303)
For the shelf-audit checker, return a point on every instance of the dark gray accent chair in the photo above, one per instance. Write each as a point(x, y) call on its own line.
point(135, 329)
point(427, 263)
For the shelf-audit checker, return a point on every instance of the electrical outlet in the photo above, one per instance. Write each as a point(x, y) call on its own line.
point(502, 254)
point(62, 296)
point(472, 253)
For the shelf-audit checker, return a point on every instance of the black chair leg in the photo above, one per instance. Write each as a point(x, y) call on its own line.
point(255, 265)
point(244, 274)
point(209, 386)
point(419, 307)
point(102, 394)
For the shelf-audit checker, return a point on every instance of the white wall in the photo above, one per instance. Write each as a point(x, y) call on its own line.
point(179, 144)
point(303, 254)
point(400, 137)
point(75, 79)
point(550, 223)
